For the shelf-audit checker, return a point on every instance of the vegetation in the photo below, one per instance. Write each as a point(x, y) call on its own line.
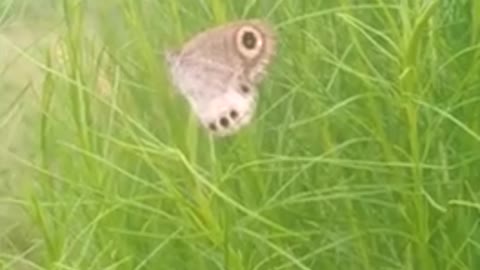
point(364, 152)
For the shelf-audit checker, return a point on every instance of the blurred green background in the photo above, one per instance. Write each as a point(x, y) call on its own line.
point(364, 152)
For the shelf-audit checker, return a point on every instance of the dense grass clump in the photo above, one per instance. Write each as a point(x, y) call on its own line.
point(364, 152)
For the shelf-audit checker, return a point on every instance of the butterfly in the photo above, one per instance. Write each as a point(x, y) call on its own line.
point(219, 71)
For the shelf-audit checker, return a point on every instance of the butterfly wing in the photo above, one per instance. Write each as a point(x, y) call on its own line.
point(228, 112)
point(218, 70)
point(199, 78)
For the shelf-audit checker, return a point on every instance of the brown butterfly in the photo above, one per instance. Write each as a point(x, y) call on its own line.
point(219, 70)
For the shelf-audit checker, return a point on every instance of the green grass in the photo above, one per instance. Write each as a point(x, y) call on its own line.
point(364, 152)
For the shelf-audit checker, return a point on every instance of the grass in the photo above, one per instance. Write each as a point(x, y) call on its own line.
point(364, 152)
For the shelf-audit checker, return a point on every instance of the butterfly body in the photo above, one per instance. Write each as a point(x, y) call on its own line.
point(218, 72)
